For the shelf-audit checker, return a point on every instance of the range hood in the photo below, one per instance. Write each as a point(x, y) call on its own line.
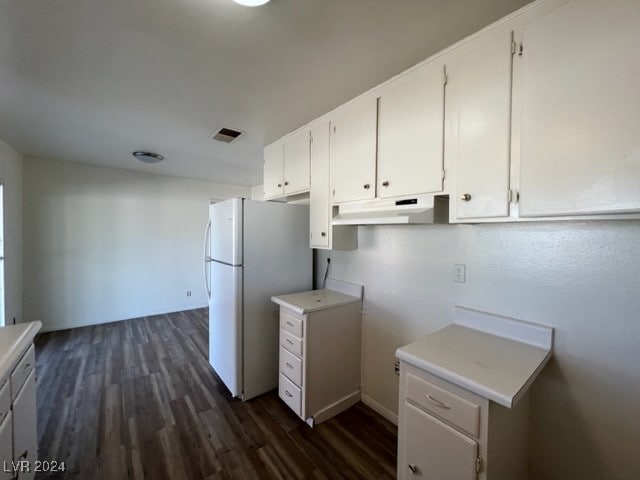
point(423, 209)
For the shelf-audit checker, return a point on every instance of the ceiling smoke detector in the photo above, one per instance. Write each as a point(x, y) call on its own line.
point(226, 135)
point(148, 157)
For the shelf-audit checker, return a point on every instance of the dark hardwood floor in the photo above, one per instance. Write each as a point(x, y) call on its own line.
point(138, 399)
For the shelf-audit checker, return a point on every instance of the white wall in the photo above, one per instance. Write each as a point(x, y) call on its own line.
point(257, 192)
point(580, 277)
point(11, 174)
point(105, 244)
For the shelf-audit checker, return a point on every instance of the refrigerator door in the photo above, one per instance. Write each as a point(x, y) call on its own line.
point(226, 231)
point(225, 325)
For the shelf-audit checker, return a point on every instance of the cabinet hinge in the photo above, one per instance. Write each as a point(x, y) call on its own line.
point(517, 47)
point(514, 196)
point(334, 192)
point(478, 464)
point(445, 77)
point(444, 174)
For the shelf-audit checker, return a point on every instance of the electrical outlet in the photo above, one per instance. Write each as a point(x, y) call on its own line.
point(459, 273)
point(188, 293)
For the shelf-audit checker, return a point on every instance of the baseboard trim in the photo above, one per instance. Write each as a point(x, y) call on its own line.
point(335, 408)
point(378, 408)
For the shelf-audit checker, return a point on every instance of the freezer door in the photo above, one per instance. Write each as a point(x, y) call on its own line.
point(225, 325)
point(226, 231)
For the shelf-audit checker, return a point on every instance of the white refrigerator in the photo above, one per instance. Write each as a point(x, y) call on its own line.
point(253, 250)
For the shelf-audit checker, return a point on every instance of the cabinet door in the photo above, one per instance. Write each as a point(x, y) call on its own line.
point(580, 140)
point(353, 153)
point(273, 171)
point(297, 163)
point(319, 208)
point(479, 126)
point(6, 448)
point(411, 134)
point(25, 432)
point(432, 450)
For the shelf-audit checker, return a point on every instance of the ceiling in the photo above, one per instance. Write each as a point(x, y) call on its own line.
point(91, 81)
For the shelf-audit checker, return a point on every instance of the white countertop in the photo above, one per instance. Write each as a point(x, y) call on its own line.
point(14, 340)
point(485, 357)
point(313, 300)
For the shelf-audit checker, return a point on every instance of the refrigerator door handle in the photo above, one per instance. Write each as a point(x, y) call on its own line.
point(207, 258)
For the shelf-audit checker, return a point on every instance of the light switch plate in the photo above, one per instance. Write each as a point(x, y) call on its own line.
point(459, 273)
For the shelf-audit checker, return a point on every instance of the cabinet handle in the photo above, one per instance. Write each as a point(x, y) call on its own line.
point(385, 183)
point(290, 324)
point(279, 185)
point(438, 402)
point(27, 366)
point(413, 468)
point(286, 392)
point(289, 342)
point(465, 197)
point(289, 365)
point(323, 234)
point(25, 454)
point(367, 186)
point(286, 183)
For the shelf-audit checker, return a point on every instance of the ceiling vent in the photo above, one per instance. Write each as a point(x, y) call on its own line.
point(226, 135)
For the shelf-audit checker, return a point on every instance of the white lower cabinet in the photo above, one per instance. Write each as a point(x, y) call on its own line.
point(6, 447)
point(320, 361)
point(25, 433)
point(452, 456)
point(18, 420)
point(448, 433)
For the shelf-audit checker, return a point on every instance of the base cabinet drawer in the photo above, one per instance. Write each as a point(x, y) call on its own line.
point(22, 371)
point(291, 394)
point(291, 342)
point(291, 366)
point(291, 324)
point(455, 410)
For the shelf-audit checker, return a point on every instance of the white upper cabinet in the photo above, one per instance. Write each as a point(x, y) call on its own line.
point(287, 165)
point(273, 182)
point(353, 152)
point(319, 201)
point(321, 232)
point(580, 129)
point(479, 126)
point(410, 133)
point(297, 163)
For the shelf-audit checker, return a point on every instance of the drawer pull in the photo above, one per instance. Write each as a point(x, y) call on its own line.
point(413, 468)
point(286, 392)
point(289, 342)
point(290, 324)
point(438, 402)
point(289, 365)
